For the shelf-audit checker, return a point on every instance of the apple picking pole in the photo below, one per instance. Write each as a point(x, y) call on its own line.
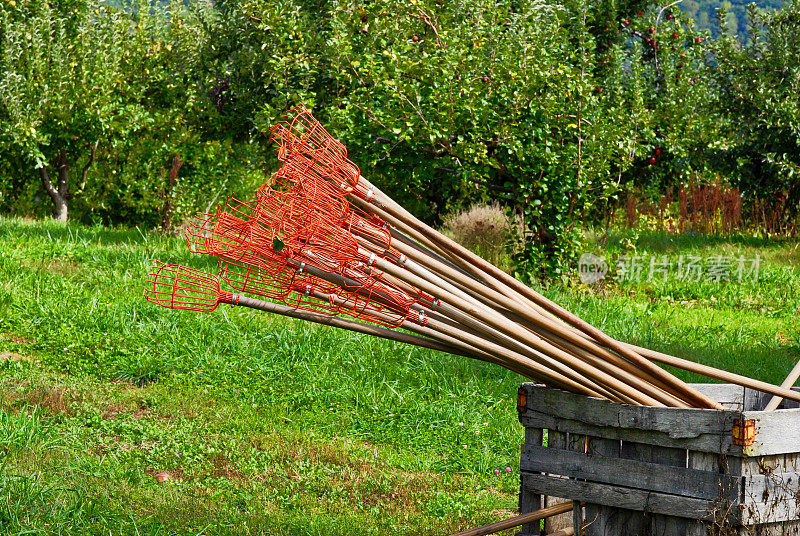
point(388, 210)
point(511, 335)
point(323, 241)
point(472, 345)
point(719, 374)
point(536, 323)
point(179, 287)
point(516, 521)
point(438, 286)
point(788, 383)
point(453, 347)
point(562, 363)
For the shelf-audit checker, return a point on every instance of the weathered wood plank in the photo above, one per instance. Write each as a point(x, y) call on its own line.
point(772, 497)
point(790, 404)
point(528, 501)
point(644, 452)
point(608, 520)
point(708, 430)
point(674, 457)
point(556, 440)
point(705, 442)
point(727, 394)
point(633, 474)
point(786, 404)
point(578, 518)
point(677, 423)
point(790, 528)
point(777, 432)
point(610, 495)
point(755, 400)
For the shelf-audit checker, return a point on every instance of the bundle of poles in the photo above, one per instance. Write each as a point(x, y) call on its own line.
point(319, 242)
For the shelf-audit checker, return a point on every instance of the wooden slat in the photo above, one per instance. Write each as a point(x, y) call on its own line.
point(790, 404)
point(674, 423)
point(727, 394)
point(788, 528)
point(777, 432)
point(610, 495)
point(633, 474)
point(673, 457)
point(529, 502)
point(771, 498)
point(720, 442)
point(557, 440)
point(755, 400)
point(605, 520)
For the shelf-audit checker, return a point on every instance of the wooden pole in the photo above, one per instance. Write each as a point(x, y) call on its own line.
point(718, 374)
point(516, 521)
point(502, 330)
point(477, 347)
point(615, 365)
point(788, 383)
point(428, 236)
point(534, 348)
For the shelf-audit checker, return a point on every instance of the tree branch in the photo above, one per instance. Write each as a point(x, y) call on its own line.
point(62, 164)
point(85, 170)
point(46, 183)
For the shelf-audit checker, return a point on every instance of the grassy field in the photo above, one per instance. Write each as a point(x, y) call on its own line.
point(267, 426)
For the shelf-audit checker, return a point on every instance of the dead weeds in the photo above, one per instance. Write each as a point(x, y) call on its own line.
point(13, 356)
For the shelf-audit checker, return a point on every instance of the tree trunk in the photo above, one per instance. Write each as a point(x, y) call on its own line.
point(60, 192)
point(166, 215)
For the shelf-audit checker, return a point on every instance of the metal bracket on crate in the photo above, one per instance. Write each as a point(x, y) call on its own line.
point(522, 400)
point(744, 432)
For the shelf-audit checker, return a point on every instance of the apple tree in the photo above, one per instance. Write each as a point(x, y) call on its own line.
point(61, 84)
point(759, 84)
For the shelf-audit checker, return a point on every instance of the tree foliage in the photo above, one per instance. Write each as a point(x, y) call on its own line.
point(759, 86)
point(147, 112)
point(61, 76)
point(736, 19)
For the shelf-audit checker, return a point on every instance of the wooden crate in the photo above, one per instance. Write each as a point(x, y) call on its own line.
point(662, 471)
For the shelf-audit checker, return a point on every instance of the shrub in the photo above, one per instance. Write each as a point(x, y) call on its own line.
point(484, 229)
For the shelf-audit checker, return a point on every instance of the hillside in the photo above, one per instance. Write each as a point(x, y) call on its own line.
point(705, 13)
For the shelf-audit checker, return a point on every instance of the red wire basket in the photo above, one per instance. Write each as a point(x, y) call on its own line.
point(180, 287)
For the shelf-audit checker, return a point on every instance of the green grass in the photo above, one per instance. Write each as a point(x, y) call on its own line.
point(270, 426)
point(748, 327)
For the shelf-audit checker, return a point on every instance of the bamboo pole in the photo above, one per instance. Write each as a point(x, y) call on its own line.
point(516, 521)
